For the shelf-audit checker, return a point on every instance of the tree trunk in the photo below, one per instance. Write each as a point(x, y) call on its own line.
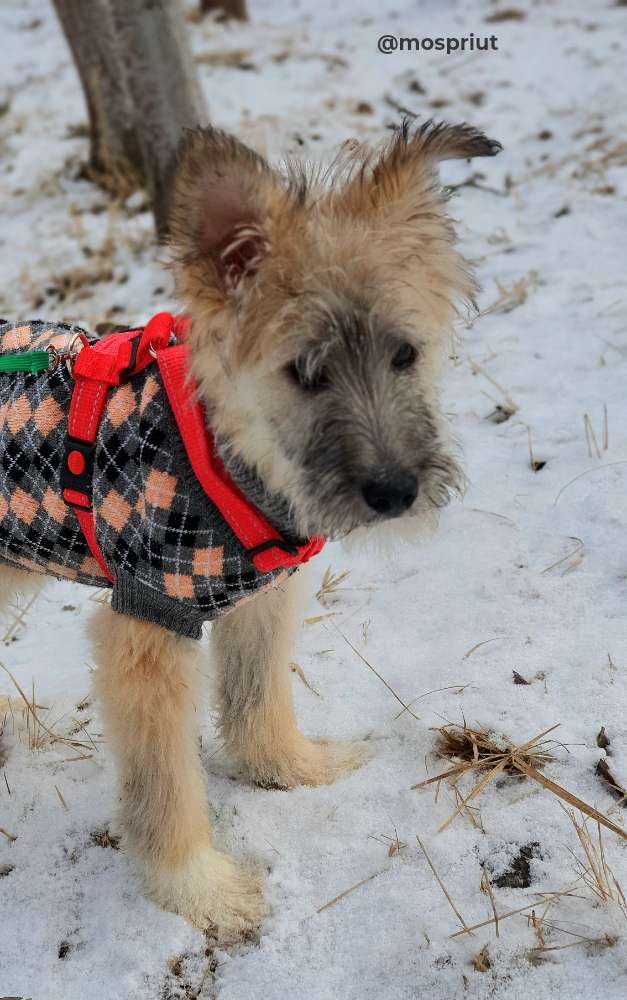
point(141, 90)
point(231, 9)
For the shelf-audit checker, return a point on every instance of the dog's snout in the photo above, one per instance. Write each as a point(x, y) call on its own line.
point(391, 494)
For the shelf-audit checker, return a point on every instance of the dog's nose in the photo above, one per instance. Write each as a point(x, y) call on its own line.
point(391, 494)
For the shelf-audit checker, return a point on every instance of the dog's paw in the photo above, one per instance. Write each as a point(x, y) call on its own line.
point(214, 893)
point(308, 762)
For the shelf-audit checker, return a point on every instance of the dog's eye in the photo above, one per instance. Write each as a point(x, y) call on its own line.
point(404, 357)
point(310, 381)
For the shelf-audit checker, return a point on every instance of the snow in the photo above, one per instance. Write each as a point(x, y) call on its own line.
point(546, 222)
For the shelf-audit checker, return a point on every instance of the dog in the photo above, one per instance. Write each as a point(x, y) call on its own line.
point(320, 307)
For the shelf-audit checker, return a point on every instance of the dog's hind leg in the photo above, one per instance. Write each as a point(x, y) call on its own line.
point(147, 681)
point(253, 648)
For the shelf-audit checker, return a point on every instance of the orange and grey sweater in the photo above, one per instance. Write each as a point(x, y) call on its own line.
point(173, 558)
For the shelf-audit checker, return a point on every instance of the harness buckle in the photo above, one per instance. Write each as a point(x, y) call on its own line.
point(76, 472)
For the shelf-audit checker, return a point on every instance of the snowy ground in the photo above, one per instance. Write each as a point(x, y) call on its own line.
point(533, 564)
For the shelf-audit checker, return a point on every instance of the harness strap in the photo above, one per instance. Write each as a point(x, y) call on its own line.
point(112, 361)
point(108, 362)
point(265, 546)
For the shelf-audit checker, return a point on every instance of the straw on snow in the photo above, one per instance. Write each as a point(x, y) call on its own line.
point(477, 750)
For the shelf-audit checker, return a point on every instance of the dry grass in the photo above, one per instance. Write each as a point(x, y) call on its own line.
point(591, 438)
point(41, 731)
point(314, 619)
point(598, 155)
point(514, 295)
point(103, 261)
point(595, 884)
point(457, 688)
point(329, 586)
point(478, 750)
point(594, 450)
point(595, 871)
point(486, 886)
point(237, 58)
point(586, 472)
point(18, 618)
point(367, 663)
point(535, 464)
point(576, 555)
point(478, 645)
point(509, 405)
point(347, 892)
point(447, 894)
point(300, 673)
point(393, 844)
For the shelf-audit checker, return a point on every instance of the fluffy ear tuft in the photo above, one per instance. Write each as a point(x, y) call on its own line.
point(219, 205)
point(439, 141)
point(400, 177)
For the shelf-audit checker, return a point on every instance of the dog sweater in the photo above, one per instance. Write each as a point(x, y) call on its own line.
point(172, 557)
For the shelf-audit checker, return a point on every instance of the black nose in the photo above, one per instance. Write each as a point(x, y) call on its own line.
point(391, 494)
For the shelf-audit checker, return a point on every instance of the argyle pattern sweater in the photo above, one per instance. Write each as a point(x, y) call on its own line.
point(174, 559)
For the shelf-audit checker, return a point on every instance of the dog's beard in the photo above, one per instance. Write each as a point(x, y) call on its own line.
point(322, 503)
point(330, 507)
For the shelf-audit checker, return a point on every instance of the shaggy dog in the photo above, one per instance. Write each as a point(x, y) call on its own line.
point(321, 307)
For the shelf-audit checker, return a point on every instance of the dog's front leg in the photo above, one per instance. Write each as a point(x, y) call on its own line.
point(147, 679)
point(253, 648)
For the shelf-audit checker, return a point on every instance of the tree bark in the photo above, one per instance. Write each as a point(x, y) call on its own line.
point(141, 90)
point(231, 9)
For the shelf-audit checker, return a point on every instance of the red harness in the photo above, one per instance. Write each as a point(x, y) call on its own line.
point(112, 361)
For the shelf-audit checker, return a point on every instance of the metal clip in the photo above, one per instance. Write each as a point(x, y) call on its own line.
point(68, 356)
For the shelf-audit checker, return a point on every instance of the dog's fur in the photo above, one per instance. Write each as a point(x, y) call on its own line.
point(305, 289)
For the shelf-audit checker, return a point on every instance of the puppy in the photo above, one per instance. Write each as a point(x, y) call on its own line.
point(321, 307)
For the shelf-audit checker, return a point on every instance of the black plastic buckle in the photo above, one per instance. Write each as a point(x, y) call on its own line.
point(273, 543)
point(80, 482)
point(127, 372)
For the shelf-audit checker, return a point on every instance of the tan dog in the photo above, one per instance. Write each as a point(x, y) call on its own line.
point(322, 307)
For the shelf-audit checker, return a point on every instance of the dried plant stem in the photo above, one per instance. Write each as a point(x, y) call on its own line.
point(486, 884)
point(478, 369)
point(586, 472)
point(591, 439)
point(61, 799)
point(330, 584)
point(298, 670)
point(376, 673)
point(569, 555)
point(19, 618)
point(505, 916)
point(478, 645)
point(30, 706)
point(347, 892)
point(563, 793)
point(490, 776)
point(443, 888)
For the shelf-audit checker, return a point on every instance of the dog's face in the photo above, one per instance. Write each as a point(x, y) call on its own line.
point(321, 306)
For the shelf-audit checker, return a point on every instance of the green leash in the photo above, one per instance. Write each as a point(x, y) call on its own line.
point(31, 361)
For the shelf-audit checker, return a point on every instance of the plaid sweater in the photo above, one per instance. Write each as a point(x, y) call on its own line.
point(174, 559)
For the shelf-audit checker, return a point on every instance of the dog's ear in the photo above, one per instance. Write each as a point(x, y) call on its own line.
point(400, 175)
point(221, 198)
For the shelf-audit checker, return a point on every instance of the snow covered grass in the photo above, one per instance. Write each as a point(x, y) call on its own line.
point(510, 620)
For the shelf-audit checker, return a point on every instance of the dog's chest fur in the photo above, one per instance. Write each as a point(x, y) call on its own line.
point(174, 559)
